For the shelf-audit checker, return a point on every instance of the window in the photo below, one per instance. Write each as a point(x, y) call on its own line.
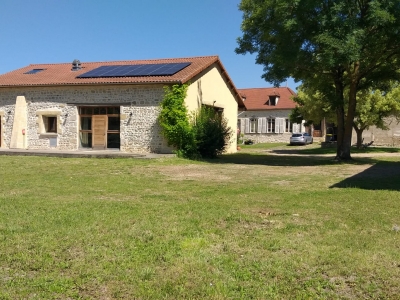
point(288, 128)
point(50, 124)
point(273, 100)
point(263, 125)
point(112, 129)
point(49, 121)
point(271, 125)
point(253, 125)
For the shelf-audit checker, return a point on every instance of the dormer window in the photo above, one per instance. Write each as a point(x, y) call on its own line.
point(273, 100)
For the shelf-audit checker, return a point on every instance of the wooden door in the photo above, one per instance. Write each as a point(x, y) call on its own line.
point(99, 127)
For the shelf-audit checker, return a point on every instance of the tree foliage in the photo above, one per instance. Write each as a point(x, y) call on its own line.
point(342, 44)
point(202, 134)
point(174, 120)
point(373, 107)
point(312, 106)
point(211, 132)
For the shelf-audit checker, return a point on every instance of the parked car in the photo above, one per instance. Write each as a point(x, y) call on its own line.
point(301, 139)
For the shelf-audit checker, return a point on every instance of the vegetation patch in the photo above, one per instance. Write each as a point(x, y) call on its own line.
point(248, 225)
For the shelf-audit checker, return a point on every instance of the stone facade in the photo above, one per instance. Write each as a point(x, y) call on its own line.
point(139, 109)
point(259, 137)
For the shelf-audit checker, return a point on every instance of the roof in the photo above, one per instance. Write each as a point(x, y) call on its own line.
point(62, 74)
point(258, 98)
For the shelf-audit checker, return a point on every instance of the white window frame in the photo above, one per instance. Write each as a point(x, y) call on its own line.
point(271, 125)
point(253, 125)
point(288, 127)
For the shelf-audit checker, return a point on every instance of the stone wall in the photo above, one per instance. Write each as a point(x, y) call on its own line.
point(139, 129)
point(267, 137)
point(390, 137)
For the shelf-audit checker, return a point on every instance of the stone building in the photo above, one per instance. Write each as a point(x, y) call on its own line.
point(265, 118)
point(106, 105)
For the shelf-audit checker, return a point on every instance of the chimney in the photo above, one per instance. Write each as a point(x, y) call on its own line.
point(76, 65)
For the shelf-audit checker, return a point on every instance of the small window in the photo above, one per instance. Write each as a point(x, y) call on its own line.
point(253, 125)
point(50, 124)
point(34, 71)
point(271, 125)
point(288, 127)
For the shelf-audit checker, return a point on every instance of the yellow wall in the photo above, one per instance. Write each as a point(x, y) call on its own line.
point(210, 86)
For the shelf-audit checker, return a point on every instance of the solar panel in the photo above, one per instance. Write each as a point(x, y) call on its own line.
point(166, 69)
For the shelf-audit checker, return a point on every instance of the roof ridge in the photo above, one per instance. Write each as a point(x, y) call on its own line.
point(259, 88)
point(125, 61)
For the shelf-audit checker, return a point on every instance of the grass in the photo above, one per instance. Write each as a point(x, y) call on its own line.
point(252, 225)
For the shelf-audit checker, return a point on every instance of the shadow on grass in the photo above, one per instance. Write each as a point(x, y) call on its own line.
point(381, 176)
point(283, 160)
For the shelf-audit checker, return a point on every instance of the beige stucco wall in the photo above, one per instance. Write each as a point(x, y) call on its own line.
point(211, 86)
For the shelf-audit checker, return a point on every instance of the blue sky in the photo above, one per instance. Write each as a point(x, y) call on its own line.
point(59, 31)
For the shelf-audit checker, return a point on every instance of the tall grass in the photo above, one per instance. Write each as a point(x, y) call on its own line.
point(244, 226)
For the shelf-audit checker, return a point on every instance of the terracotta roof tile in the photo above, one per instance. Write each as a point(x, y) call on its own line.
point(62, 74)
point(257, 98)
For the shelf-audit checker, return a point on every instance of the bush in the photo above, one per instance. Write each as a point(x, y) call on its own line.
point(174, 121)
point(207, 135)
point(211, 132)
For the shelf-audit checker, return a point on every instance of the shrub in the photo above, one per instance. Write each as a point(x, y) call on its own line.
point(211, 132)
point(206, 135)
point(174, 121)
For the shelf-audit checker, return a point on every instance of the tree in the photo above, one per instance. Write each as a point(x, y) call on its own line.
point(352, 44)
point(312, 107)
point(372, 109)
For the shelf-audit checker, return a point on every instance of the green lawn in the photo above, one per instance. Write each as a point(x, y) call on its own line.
point(252, 225)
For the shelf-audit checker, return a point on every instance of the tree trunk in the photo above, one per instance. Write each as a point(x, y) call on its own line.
point(339, 113)
point(359, 133)
point(351, 111)
point(340, 130)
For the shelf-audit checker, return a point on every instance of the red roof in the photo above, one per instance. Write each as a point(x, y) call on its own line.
point(258, 98)
point(62, 74)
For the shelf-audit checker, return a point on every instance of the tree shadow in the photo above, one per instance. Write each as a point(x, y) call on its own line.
point(380, 176)
point(284, 160)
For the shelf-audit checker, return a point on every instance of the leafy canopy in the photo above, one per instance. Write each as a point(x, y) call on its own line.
point(352, 44)
point(203, 135)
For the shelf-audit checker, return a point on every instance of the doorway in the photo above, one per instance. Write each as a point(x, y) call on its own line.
point(99, 127)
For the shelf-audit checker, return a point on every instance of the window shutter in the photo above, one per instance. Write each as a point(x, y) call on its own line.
point(295, 127)
point(264, 125)
point(281, 125)
point(259, 125)
point(247, 125)
point(276, 125)
point(242, 125)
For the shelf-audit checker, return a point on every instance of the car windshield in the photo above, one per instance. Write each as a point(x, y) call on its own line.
point(296, 135)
